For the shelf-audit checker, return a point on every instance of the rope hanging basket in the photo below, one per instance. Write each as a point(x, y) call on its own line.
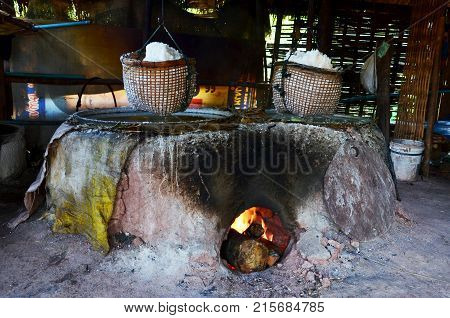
point(305, 90)
point(160, 87)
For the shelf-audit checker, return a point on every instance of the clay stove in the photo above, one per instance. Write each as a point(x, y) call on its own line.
point(180, 186)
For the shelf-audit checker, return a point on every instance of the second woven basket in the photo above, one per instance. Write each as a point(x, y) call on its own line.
point(305, 90)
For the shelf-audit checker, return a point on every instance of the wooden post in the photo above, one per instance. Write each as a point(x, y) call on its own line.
point(148, 19)
point(296, 32)
point(3, 93)
point(433, 97)
point(310, 25)
point(276, 45)
point(326, 26)
point(383, 93)
point(6, 102)
point(259, 39)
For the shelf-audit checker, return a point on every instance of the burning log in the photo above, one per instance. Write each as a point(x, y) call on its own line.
point(244, 253)
point(274, 251)
point(273, 258)
point(248, 254)
point(255, 231)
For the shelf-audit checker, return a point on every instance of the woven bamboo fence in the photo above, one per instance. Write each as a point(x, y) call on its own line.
point(417, 72)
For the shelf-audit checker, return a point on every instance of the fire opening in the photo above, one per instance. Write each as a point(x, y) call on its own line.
point(256, 240)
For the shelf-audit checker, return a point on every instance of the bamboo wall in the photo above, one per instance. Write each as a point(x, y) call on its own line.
point(356, 31)
point(419, 64)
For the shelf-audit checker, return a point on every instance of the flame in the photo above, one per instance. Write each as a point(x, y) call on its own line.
point(253, 215)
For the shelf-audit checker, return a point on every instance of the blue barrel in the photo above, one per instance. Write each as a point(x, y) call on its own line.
point(442, 127)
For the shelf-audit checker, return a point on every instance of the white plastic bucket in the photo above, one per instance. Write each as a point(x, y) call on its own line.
point(406, 156)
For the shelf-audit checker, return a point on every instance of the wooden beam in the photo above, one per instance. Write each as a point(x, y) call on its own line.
point(326, 26)
point(310, 25)
point(296, 32)
point(3, 93)
point(432, 104)
point(383, 93)
point(259, 38)
point(397, 2)
point(276, 45)
point(148, 19)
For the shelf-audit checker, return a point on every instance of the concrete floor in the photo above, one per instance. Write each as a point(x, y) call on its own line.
point(412, 260)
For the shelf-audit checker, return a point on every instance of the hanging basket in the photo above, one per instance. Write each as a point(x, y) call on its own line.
point(305, 90)
point(160, 87)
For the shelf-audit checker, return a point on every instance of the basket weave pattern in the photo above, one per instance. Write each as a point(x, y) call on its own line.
point(307, 90)
point(159, 87)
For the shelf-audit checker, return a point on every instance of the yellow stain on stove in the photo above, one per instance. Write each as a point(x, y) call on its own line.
point(90, 214)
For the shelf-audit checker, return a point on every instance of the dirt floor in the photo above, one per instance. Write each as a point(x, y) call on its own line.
point(412, 260)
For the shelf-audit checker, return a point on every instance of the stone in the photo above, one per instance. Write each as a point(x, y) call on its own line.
point(401, 212)
point(335, 244)
point(360, 198)
point(310, 277)
point(355, 244)
point(324, 241)
point(307, 265)
point(334, 252)
point(331, 234)
point(347, 265)
point(326, 282)
point(137, 241)
point(338, 272)
point(346, 256)
point(311, 248)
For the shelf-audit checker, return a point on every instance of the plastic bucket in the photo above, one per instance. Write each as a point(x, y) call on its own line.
point(406, 156)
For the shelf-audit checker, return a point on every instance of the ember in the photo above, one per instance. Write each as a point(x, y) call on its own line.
point(256, 240)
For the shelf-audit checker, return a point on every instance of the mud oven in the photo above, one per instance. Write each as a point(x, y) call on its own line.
point(219, 193)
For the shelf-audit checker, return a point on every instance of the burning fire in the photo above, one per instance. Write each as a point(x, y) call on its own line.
point(253, 215)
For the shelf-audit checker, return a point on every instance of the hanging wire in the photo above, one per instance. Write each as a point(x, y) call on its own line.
point(161, 25)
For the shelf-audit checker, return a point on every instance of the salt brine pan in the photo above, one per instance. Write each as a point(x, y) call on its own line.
point(311, 58)
point(161, 52)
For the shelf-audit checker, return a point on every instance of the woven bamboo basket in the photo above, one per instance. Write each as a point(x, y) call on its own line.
point(160, 87)
point(304, 90)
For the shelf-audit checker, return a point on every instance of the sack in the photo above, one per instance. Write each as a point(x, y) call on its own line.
point(369, 74)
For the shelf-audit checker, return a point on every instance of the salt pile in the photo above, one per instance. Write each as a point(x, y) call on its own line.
point(160, 52)
point(311, 58)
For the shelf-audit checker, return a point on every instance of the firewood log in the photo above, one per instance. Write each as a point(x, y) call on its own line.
point(245, 254)
point(255, 230)
point(272, 258)
point(275, 251)
point(271, 245)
